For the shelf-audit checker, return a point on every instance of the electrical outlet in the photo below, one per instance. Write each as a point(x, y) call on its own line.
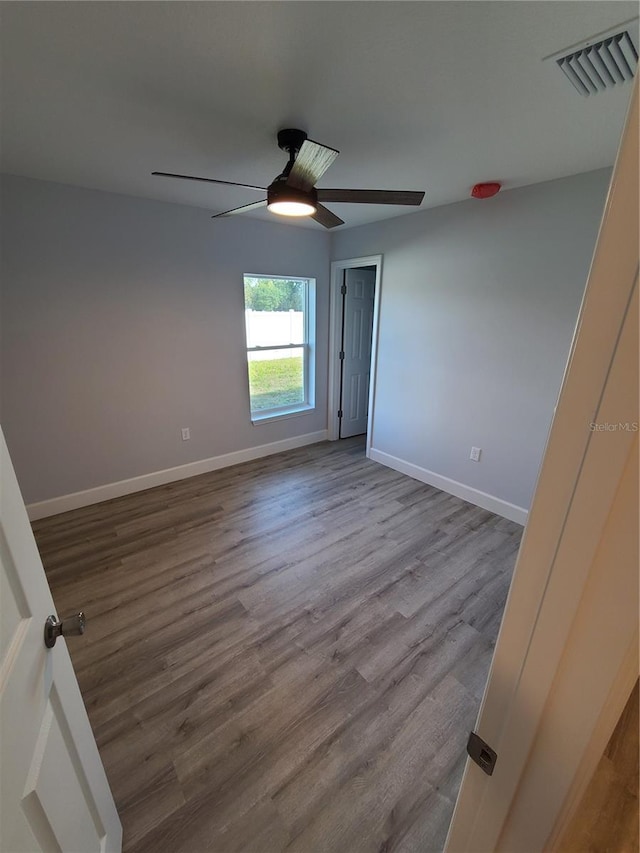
point(186, 433)
point(475, 454)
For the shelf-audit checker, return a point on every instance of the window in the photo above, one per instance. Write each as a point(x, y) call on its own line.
point(280, 324)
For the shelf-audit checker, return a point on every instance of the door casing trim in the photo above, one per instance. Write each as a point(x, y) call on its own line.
point(335, 326)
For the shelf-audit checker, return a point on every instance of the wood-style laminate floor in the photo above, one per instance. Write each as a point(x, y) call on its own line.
point(606, 820)
point(286, 655)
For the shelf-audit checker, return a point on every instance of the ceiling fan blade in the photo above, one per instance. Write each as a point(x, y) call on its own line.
point(245, 207)
point(312, 162)
point(325, 217)
point(372, 196)
point(209, 181)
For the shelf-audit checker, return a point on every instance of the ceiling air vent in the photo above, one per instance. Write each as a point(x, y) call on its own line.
point(602, 65)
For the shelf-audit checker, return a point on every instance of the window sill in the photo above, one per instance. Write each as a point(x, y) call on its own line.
point(269, 417)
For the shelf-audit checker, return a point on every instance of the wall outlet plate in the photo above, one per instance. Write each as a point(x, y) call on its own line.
point(186, 433)
point(475, 454)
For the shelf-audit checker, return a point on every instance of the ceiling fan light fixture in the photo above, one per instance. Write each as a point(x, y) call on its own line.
point(291, 208)
point(290, 201)
point(293, 193)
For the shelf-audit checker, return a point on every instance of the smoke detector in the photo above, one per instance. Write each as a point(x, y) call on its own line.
point(486, 190)
point(605, 61)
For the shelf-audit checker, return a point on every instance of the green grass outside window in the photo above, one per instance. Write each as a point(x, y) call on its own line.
point(275, 383)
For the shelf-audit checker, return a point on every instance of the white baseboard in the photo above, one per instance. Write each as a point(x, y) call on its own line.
point(64, 503)
point(452, 487)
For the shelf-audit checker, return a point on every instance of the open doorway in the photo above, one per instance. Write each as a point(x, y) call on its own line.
point(355, 296)
point(358, 292)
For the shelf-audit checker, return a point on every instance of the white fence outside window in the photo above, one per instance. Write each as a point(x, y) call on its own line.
point(266, 327)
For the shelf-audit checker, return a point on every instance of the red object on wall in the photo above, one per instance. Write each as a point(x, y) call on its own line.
point(485, 190)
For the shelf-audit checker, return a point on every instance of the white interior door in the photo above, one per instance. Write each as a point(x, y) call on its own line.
point(55, 794)
point(356, 346)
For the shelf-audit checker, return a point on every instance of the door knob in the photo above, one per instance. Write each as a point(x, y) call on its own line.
point(54, 628)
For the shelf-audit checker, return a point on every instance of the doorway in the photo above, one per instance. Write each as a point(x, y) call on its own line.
point(355, 295)
point(357, 291)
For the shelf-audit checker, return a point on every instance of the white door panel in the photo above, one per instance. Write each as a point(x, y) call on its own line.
point(55, 794)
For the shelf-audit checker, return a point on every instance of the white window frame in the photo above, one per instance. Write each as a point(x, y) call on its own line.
point(307, 346)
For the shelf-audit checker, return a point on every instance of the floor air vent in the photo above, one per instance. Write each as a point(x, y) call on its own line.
point(602, 65)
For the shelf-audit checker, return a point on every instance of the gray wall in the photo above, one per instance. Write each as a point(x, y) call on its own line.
point(479, 304)
point(123, 322)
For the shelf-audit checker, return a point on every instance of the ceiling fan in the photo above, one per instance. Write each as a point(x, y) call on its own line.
point(294, 192)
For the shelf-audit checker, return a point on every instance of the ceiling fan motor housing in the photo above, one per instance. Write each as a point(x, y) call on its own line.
point(291, 139)
point(279, 190)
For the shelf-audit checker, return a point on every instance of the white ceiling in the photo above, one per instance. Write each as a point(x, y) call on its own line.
point(416, 95)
